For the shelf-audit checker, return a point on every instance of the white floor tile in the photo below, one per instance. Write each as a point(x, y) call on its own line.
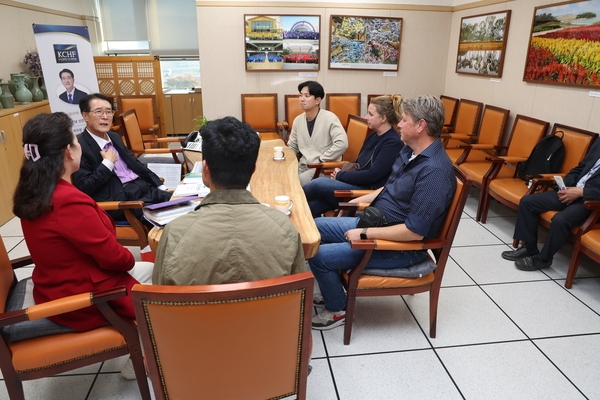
point(11, 228)
point(454, 275)
point(502, 228)
point(577, 357)
point(320, 383)
point(471, 233)
point(587, 290)
point(381, 324)
point(20, 250)
point(485, 265)
point(11, 242)
point(72, 387)
point(506, 371)
point(543, 309)
point(465, 316)
point(318, 346)
point(113, 386)
point(404, 375)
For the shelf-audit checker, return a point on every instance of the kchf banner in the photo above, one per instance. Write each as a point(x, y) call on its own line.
point(68, 65)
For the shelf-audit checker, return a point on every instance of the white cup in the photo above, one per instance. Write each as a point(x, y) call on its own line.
point(283, 203)
point(278, 152)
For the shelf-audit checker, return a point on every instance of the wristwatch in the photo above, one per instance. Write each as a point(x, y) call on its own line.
point(363, 234)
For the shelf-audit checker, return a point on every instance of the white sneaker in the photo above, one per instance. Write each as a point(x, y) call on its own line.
point(326, 320)
point(318, 300)
point(127, 370)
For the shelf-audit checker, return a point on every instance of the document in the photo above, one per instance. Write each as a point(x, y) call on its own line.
point(171, 173)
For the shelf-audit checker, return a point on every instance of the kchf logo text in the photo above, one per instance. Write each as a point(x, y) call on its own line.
point(66, 53)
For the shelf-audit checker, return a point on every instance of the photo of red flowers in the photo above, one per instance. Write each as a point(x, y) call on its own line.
point(564, 47)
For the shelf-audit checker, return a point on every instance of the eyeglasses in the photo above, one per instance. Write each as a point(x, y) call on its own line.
point(99, 113)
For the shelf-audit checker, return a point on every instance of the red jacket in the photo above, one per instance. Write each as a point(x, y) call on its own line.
point(75, 250)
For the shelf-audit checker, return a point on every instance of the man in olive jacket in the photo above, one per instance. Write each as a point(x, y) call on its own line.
point(582, 183)
point(231, 237)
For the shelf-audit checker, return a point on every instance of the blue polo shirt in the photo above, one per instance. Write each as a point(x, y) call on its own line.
point(419, 191)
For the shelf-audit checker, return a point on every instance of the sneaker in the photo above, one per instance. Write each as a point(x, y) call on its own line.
point(532, 263)
point(514, 255)
point(127, 370)
point(326, 320)
point(318, 300)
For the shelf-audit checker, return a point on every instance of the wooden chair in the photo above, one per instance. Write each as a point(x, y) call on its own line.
point(147, 113)
point(257, 332)
point(136, 142)
point(467, 121)
point(491, 131)
point(510, 190)
point(50, 355)
point(292, 110)
point(131, 231)
point(260, 112)
point(370, 98)
point(587, 241)
point(526, 132)
point(450, 107)
point(359, 285)
point(343, 104)
point(357, 132)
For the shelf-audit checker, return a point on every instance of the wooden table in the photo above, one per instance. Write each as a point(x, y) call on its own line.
point(272, 178)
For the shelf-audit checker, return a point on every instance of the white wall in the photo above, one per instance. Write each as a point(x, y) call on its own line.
point(423, 58)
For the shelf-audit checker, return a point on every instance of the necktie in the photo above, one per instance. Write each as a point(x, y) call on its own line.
point(70, 98)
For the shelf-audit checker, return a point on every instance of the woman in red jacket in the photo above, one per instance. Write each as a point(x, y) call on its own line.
point(71, 240)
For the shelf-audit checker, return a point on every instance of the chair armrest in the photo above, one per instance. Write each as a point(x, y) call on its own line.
point(351, 194)
point(380, 244)
point(327, 164)
point(456, 136)
point(483, 146)
point(120, 205)
point(21, 262)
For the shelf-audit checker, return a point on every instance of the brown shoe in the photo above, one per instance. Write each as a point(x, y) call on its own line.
point(514, 255)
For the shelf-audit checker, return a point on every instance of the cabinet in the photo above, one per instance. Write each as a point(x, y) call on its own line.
point(11, 151)
point(180, 111)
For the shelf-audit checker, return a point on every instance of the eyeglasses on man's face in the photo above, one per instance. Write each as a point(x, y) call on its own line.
point(99, 112)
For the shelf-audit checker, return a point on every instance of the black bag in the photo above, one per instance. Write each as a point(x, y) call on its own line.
point(546, 157)
point(371, 217)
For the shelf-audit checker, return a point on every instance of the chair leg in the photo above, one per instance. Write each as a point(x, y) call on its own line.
point(350, 307)
point(434, 295)
point(485, 207)
point(14, 386)
point(573, 266)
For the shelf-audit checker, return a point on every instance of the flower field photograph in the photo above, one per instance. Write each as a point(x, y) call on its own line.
point(564, 47)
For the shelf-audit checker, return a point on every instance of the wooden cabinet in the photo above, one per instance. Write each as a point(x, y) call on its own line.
point(11, 151)
point(180, 111)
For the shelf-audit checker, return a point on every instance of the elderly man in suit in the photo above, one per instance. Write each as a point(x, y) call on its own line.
point(108, 170)
point(71, 95)
point(583, 183)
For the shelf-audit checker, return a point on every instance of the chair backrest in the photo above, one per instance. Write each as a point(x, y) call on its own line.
point(343, 104)
point(526, 132)
point(260, 111)
point(493, 124)
point(258, 332)
point(450, 107)
point(145, 109)
point(6, 275)
point(467, 116)
point(292, 108)
point(577, 143)
point(370, 98)
point(131, 130)
point(357, 131)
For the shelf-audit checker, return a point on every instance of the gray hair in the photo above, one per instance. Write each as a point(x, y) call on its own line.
point(429, 108)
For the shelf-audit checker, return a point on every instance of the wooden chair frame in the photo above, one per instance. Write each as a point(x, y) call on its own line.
point(468, 116)
point(254, 116)
point(292, 110)
point(450, 107)
point(205, 303)
point(153, 130)
point(351, 105)
point(133, 234)
point(586, 241)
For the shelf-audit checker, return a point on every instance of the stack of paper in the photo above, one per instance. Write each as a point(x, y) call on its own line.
point(162, 213)
point(191, 189)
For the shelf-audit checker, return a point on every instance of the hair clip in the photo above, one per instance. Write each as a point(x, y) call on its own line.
point(31, 152)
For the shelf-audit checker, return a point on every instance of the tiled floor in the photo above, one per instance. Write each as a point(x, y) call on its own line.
point(502, 333)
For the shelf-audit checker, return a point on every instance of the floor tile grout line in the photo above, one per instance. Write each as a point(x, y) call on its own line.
point(335, 388)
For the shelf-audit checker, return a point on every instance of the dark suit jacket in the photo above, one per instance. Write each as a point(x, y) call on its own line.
point(77, 96)
point(100, 183)
point(591, 190)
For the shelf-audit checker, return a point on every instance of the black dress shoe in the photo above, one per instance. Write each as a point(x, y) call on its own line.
point(532, 263)
point(514, 255)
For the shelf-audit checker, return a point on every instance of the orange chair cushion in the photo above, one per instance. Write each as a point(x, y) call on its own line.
point(259, 113)
point(373, 281)
point(591, 240)
point(46, 351)
point(510, 189)
point(143, 109)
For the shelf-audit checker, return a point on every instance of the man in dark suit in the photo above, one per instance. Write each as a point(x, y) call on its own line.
point(582, 183)
point(108, 170)
point(71, 95)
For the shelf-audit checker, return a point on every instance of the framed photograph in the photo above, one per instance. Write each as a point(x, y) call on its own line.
point(282, 42)
point(564, 45)
point(482, 44)
point(364, 43)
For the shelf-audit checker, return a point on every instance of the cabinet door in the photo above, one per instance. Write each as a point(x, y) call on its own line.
point(183, 113)
point(26, 115)
point(11, 158)
point(197, 104)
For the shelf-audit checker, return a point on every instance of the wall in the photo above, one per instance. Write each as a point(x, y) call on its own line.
point(423, 56)
point(16, 32)
point(563, 104)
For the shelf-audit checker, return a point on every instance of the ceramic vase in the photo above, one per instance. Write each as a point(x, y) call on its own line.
point(36, 93)
point(43, 87)
point(22, 94)
point(12, 84)
point(7, 99)
point(28, 80)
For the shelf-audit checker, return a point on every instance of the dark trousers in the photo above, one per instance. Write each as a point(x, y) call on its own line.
point(139, 189)
point(531, 206)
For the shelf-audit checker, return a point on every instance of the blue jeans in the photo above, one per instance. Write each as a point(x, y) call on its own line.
point(319, 194)
point(335, 254)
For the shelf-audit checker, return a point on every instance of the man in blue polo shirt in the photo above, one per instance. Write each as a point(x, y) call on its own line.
point(414, 200)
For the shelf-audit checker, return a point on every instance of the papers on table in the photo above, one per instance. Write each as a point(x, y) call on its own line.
point(162, 213)
point(190, 189)
point(171, 173)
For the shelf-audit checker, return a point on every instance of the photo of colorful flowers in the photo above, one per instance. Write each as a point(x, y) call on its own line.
point(364, 43)
point(482, 44)
point(564, 47)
